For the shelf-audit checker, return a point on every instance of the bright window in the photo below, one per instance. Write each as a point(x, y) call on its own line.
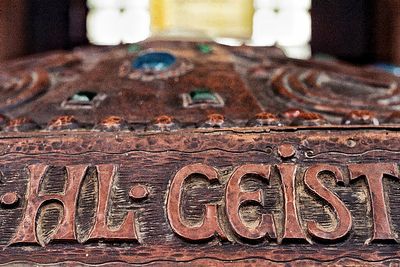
point(286, 23)
point(112, 22)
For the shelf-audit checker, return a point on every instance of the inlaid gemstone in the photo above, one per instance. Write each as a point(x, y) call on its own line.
point(202, 95)
point(134, 48)
point(154, 61)
point(83, 96)
point(205, 48)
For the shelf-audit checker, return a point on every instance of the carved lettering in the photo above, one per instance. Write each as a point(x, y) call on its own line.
point(127, 231)
point(344, 220)
point(26, 231)
point(374, 174)
point(235, 198)
point(291, 226)
point(210, 225)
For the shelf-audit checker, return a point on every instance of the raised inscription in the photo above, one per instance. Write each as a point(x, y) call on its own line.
point(302, 198)
point(26, 231)
point(213, 224)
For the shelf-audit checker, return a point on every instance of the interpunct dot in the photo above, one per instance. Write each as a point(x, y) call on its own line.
point(9, 199)
point(139, 192)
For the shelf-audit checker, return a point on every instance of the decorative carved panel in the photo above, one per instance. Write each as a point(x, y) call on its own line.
point(200, 197)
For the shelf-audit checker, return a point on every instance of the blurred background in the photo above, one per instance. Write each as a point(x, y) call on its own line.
point(356, 31)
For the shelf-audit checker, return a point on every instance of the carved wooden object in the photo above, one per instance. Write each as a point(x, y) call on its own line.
point(298, 164)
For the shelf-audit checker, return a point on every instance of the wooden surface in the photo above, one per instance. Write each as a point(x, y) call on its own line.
point(141, 198)
point(296, 164)
point(250, 80)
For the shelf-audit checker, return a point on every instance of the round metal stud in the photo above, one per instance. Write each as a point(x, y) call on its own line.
point(111, 124)
point(264, 119)
point(63, 123)
point(308, 119)
point(163, 123)
point(21, 125)
point(215, 121)
point(361, 117)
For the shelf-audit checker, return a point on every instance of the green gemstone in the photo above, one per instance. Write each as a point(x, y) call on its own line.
point(134, 48)
point(83, 96)
point(80, 98)
point(202, 95)
point(205, 48)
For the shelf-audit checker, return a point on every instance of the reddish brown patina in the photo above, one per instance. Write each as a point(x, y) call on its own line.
point(139, 192)
point(112, 123)
point(241, 156)
point(9, 199)
point(286, 151)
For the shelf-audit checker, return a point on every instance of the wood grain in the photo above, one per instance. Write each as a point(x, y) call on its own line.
point(153, 160)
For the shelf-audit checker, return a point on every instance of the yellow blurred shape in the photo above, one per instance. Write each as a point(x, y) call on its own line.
point(212, 18)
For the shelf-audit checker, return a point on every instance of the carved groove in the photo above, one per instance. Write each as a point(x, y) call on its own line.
point(151, 222)
point(47, 222)
point(86, 206)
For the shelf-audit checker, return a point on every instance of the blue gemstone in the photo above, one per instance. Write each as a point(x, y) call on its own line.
point(154, 61)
